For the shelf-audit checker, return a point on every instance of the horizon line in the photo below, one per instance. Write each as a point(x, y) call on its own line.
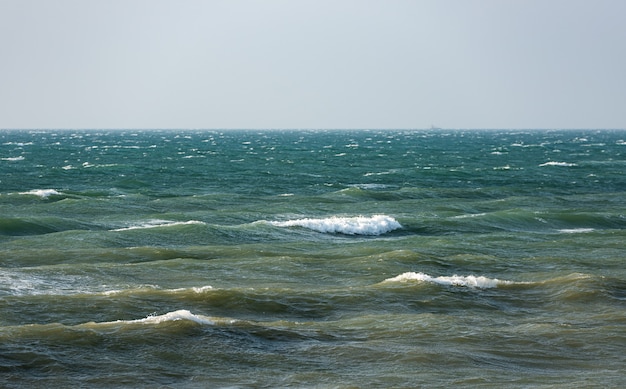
point(313, 129)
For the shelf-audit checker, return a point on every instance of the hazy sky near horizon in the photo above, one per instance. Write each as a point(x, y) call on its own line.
point(312, 64)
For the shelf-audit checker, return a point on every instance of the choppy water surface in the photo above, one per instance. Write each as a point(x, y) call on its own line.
point(312, 258)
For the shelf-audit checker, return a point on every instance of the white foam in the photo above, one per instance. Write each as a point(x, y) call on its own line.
point(360, 225)
point(455, 280)
point(159, 224)
point(554, 163)
point(13, 159)
point(43, 193)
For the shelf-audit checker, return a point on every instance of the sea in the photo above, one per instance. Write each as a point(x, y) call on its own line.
point(312, 259)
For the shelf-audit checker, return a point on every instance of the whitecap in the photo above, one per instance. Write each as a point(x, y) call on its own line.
point(360, 225)
point(469, 215)
point(194, 289)
point(159, 224)
point(14, 159)
point(369, 186)
point(20, 144)
point(455, 280)
point(555, 163)
point(377, 173)
point(576, 230)
point(179, 315)
point(43, 193)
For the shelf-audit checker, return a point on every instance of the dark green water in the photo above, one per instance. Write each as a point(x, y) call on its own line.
point(312, 259)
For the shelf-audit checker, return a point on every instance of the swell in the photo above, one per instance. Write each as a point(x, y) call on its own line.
point(19, 226)
point(409, 292)
point(526, 220)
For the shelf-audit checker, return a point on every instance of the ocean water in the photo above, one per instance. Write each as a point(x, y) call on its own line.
point(324, 259)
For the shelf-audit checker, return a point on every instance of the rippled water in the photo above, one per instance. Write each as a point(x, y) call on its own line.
point(312, 258)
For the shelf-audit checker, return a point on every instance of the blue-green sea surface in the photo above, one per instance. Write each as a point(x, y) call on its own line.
point(326, 259)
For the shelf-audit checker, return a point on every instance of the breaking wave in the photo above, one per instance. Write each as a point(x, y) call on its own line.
point(455, 280)
point(360, 225)
point(43, 193)
point(182, 314)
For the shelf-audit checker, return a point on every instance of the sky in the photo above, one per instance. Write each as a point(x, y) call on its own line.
point(331, 64)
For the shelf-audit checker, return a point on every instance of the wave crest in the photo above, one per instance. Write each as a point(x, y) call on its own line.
point(360, 225)
point(182, 314)
point(455, 280)
point(43, 193)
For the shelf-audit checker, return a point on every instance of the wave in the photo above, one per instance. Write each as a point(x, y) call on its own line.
point(528, 220)
point(12, 226)
point(181, 316)
point(28, 283)
point(360, 225)
point(470, 281)
point(159, 224)
point(17, 227)
point(571, 287)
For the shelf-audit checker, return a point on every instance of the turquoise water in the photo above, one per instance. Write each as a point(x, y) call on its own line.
point(312, 259)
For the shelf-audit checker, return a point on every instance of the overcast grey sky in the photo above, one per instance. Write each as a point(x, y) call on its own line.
point(312, 64)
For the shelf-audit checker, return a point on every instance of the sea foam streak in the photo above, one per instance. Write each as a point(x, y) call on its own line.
point(159, 224)
point(360, 225)
point(455, 280)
